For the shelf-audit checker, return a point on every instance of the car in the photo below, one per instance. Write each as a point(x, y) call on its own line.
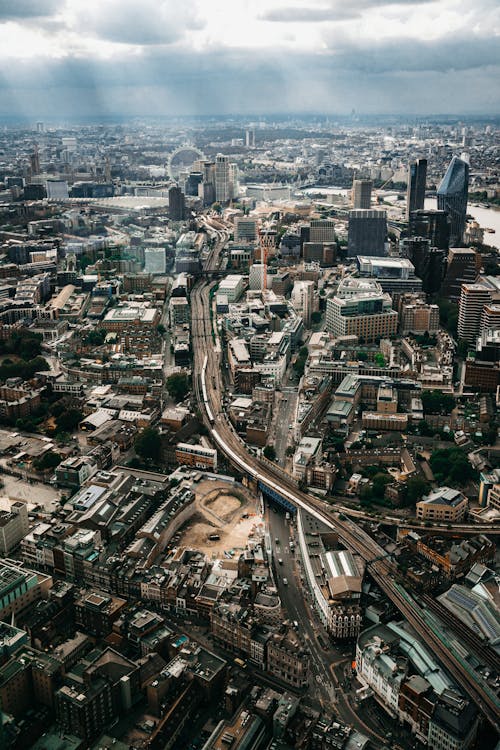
point(280, 561)
point(285, 581)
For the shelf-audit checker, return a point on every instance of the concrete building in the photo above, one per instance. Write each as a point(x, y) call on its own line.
point(393, 274)
point(443, 504)
point(232, 287)
point(14, 525)
point(322, 230)
point(477, 307)
point(334, 580)
point(362, 194)
point(367, 315)
point(302, 299)
point(367, 232)
point(246, 229)
point(155, 260)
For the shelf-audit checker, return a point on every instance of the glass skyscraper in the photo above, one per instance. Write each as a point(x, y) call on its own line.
point(452, 198)
point(415, 195)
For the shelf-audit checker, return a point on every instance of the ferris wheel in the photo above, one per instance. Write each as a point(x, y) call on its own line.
point(182, 158)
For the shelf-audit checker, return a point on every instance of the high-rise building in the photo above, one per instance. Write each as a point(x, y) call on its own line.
point(362, 194)
point(35, 161)
point(452, 198)
point(303, 300)
point(367, 315)
point(415, 194)
point(222, 178)
point(155, 260)
point(431, 224)
point(477, 306)
point(322, 230)
point(176, 203)
point(429, 262)
point(245, 229)
point(367, 232)
point(464, 264)
point(256, 276)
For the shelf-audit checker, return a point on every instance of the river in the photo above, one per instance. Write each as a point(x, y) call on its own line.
point(487, 218)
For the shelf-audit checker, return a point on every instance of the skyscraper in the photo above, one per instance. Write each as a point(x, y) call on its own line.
point(367, 232)
point(429, 262)
point(222, 178)
point(176, 204)
point(415, 194)
point(452, 198)
point(431, 224)
point(362, 193)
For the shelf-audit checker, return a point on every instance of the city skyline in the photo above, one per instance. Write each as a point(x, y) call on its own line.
point(106, 59)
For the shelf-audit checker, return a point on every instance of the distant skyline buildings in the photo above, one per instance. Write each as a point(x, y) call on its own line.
point(452, 198)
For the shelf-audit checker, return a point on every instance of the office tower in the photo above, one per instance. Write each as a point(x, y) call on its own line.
point(394, 275)
point(322, 230)
point(40, 127)
point(250, 138)
point(56, 189)
point(464, 264)
point(452, 198)
point(245, 229)
point(194, 180)
point(367, 232)
point(302, 299)
point(256, 276)
point(222, 178)
point(429, 262)
point(477, 307)
point(368, 315)
point(432, 224)
point(176, 204)
point(35, 161)
point(415, 193)
point(362, 194)
point(155, 260)
point(234, 187)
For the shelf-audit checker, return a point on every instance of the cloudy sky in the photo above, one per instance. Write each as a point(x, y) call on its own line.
point(173, 57)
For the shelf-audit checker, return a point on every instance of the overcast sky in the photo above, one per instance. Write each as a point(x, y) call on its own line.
point(175, 57)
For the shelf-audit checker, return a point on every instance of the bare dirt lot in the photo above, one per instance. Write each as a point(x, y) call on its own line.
point(223, 510)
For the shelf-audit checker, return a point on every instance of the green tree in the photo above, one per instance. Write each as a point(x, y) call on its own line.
point(96, 338)
point(49, 460)
point(316, 317)
point(178, 386)
point(437, 402)
point(147, 445)
point(269, 453)
point(69, 420)
point(415, 488)
point(379, 359)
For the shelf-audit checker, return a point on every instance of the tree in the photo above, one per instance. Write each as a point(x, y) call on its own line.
point(362, 356)
point(269, 453)
point(147, 445)
point(49, 460)
point(437, 402)
point(161, 329)
point(380, 481)
point(178, 386)
point(316, 317)
point(415, 488)
point(96, 338)
point(451, 465)
point(69, 420)
point(379, 359)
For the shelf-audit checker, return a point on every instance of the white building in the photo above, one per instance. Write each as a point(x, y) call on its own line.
point(56, 189)
point(256, 276)
point(231, 287)
point(303, 300)
point(14, 524)
point(155, 260)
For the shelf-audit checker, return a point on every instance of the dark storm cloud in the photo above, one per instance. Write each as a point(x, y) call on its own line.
point(459, 74)
point(14, 10)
